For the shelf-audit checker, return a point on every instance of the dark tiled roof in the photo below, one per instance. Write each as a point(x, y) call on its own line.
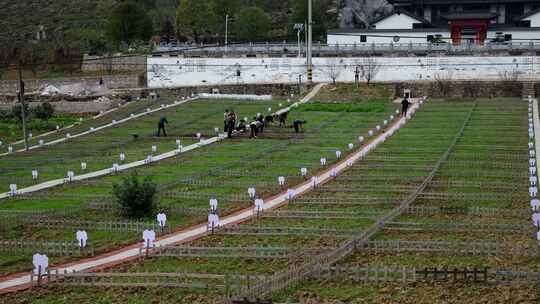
point(465, 16)
point(533, 12)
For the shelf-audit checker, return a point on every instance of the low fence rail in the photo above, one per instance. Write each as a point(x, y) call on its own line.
point(50, 248)
point(115, 226)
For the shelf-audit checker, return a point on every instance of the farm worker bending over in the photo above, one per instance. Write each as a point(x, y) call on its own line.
point(231, 123)
point(161, 126)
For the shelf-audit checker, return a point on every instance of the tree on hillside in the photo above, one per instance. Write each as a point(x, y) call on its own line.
point(167, 32)
point(300, 15)
point(128, 23)
point(195, 19)
point(252, 24)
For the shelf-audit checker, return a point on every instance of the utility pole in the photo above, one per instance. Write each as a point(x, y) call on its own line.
point(226, 31)
point(23, 110)
point(310, 43)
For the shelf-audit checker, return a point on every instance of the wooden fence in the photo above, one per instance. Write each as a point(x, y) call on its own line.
point(113, 226)
point(63, 248)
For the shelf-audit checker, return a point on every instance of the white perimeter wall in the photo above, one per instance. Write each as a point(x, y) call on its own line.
point(535, 20)
point(386, 37)
point(180, 72)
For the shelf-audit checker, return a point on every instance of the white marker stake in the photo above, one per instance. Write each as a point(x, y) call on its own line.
point(115, 168)
point(338, 154)
point(397, 111)
point(149, 159)
point(258, 205)
point(533, 180)
point(532, 161)
point(41, 265)
point(333, 173)
point(360, 139)
point(351, 146)
point(70, 175)
point(392, 117)
point(13, 189)
point(290, 194)
point(303, 172)
point(57, 128)
point(41, 142)
point(536, 219)
point(533, 191)
point(82, 238)
point(213, 204)
point(149, 236)
point(162, 220)
point(199, 135)
point(349, 163)
point(10, 149)
point(68, 135)
point(251, 192)
point(281, 180)
point(378, 128)
point(34, 174)
point(532, 170)
point(535, 204)
point(370, 133)
point(114, 122)
point(92, 129)
point(122, 157)
point(314, 181)
point(29, 135)
point(83, 166)
point(323, 161)
point(154, 148)
point(269, 110)
point(385, 122)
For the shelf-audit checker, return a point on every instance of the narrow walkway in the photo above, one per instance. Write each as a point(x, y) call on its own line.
point(96, 129)
point(22, 281)
point(157, 158)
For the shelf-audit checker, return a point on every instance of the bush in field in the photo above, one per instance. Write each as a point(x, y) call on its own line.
point(44, 111)
point(137, 198)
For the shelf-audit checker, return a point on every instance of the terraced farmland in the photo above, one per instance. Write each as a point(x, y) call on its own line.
point(439, 213)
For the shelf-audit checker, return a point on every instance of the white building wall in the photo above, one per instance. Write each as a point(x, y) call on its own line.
point(385, 37)
point(180, 72)
point(396, 21)
point(535, 20)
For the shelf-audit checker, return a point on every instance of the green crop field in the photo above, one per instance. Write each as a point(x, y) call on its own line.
point(478, 195)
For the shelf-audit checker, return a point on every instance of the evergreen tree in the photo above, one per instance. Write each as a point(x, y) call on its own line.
point(128, 23)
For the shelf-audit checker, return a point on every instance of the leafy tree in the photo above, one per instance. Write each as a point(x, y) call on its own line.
point(252, 24)
point(300, 15)
point(195, 19)
point(128, 23)
point(88, 40)
point(167, 32)
point(44, 111)
point(138, 199)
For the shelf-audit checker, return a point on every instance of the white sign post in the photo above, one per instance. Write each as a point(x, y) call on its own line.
point(251, 192)
point(213, 222)
point(82, 238)
point(154, 148)
point(213, 204)
point(281, 181)
point(13, 189)
point(122, 157)
point(533, 191)
point(70, 176)
point(303, 172)
point(34, 174)
point(290, 194)
point(360, 139)
point(259, 206)
point(323, 161)
point(149, 236)
point(83, 166)
point(41, 266)
point(351, 146)
point(162, 220)
point(338, 154)
point(535, 204)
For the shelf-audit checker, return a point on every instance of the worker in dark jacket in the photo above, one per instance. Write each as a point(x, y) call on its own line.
point(404, 106)
point(231, 123)
point(161, 126)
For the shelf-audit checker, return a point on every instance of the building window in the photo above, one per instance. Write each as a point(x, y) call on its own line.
point(508, 37)
point(363, 38)
point(430, 38)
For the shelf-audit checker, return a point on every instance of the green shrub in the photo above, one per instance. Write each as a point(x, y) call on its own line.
point(138, 199)
point(44, 111)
